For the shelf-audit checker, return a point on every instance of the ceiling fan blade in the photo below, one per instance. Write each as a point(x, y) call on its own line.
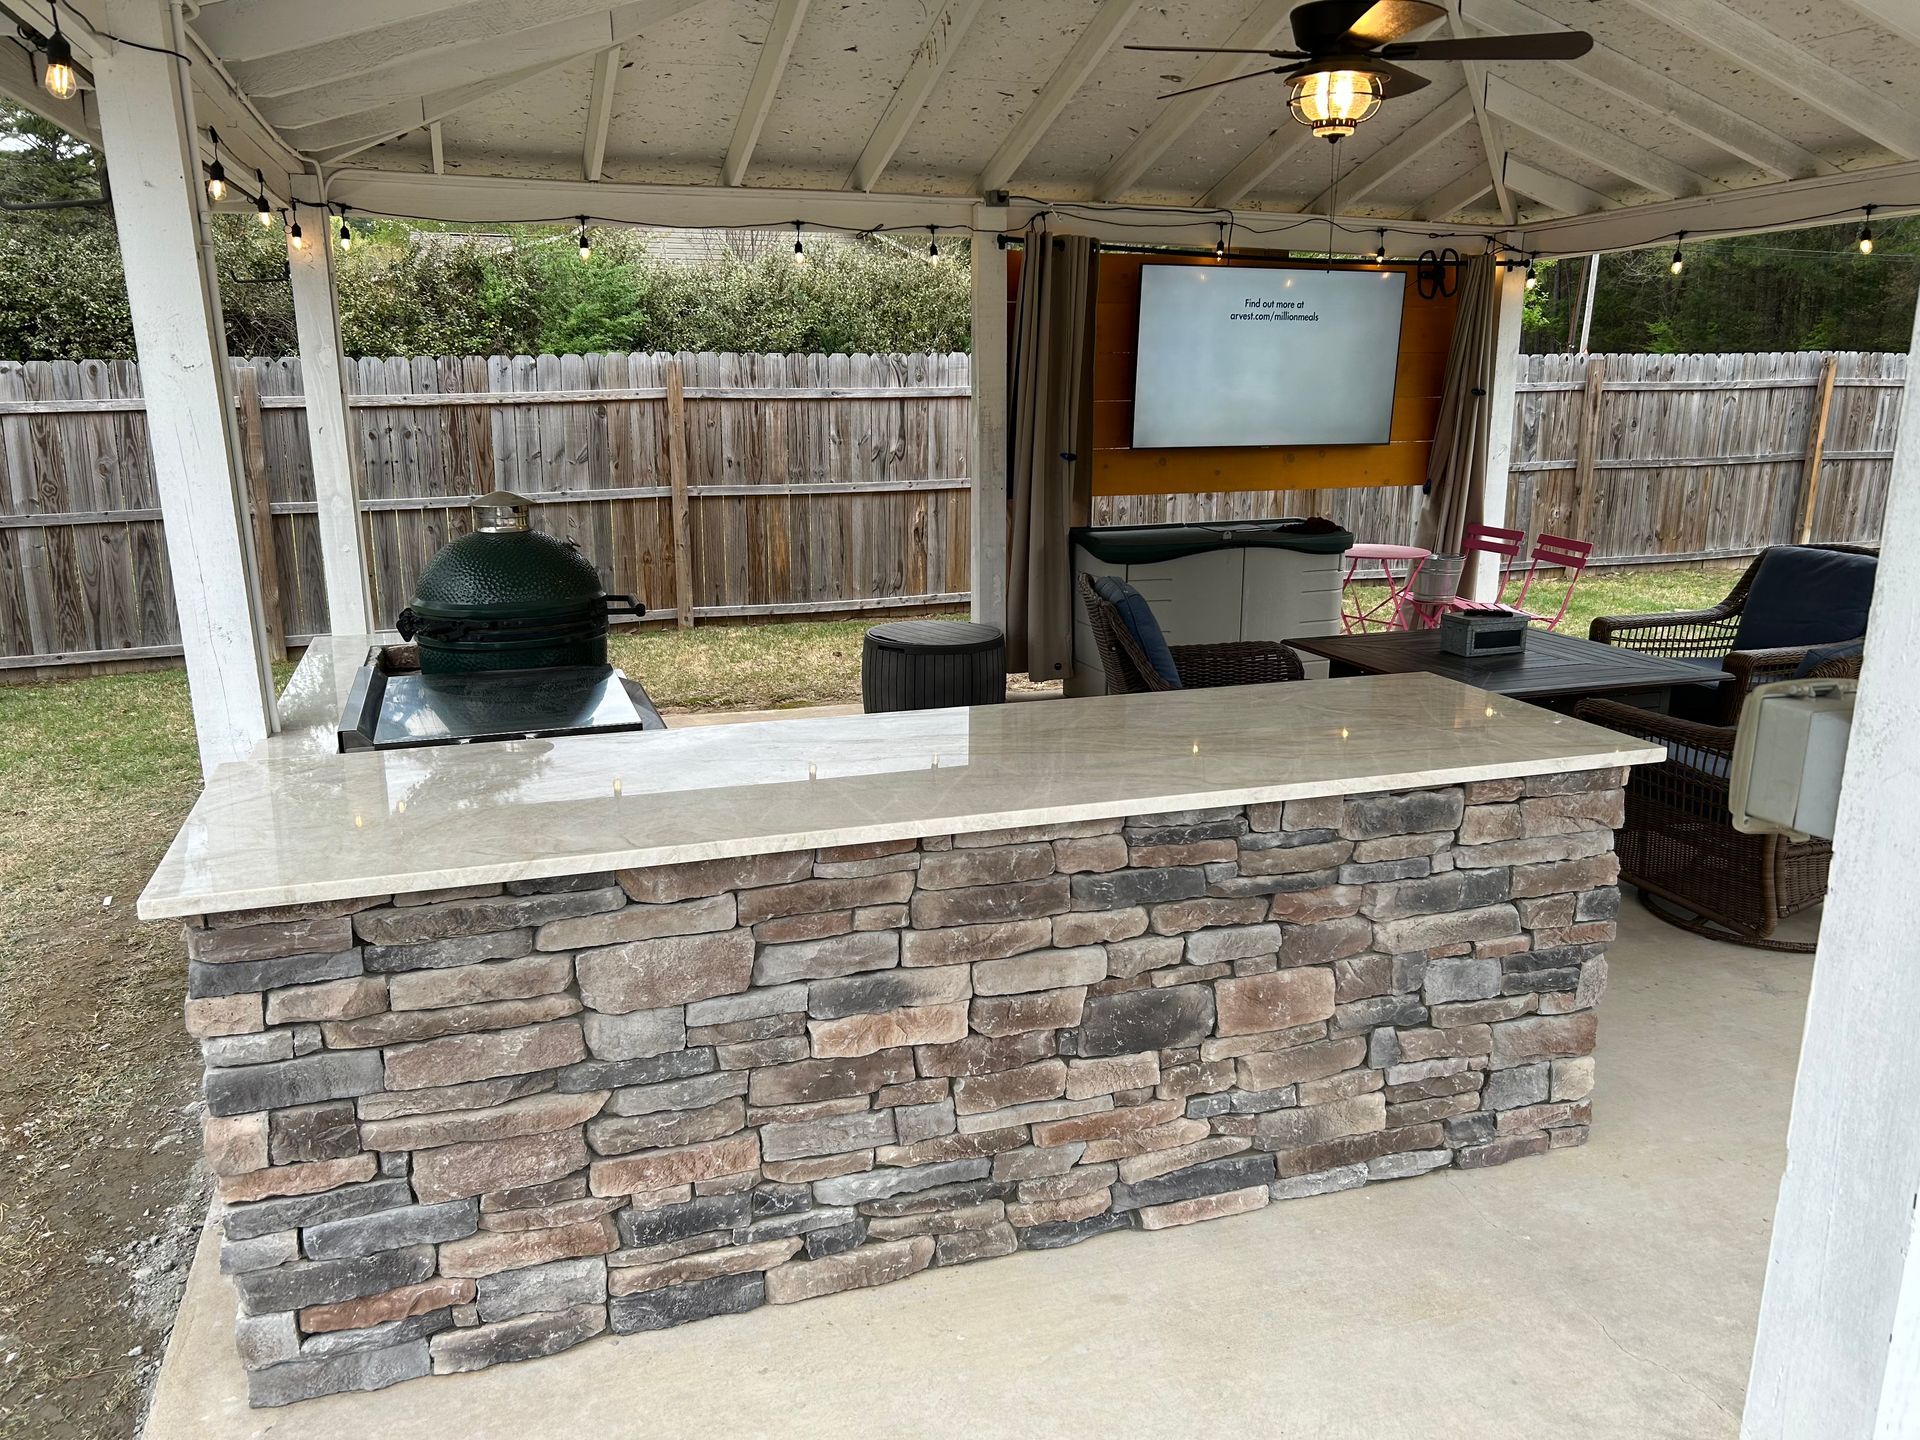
point(1230, 80)
point(1559, 45)
point(1322, 24)
point(1394, 81)
point(1217, 50)
point(1389, 20)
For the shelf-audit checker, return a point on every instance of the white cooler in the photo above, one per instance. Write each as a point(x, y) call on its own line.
point(1207, 583)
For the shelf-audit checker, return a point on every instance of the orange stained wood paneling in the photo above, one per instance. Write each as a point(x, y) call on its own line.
point(1426, 333)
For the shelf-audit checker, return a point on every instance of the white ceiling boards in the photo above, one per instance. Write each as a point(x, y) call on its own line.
point(1696, 115)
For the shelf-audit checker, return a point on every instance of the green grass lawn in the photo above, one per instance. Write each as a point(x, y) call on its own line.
point(95, 776)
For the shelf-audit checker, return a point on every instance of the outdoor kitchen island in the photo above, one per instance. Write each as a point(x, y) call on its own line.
point(510, 1045)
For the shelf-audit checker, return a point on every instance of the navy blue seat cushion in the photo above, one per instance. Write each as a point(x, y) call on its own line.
point(1821, 654)
point(1803, 596)
point(1137, 616)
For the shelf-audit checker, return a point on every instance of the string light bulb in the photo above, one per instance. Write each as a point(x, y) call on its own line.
point(294, 237)
point(586, 246)
point(216, 172)
point(1533, 280)
point(1380, 250)
point(799, 246)
point(1220, 245)
point(59, 79)
point(262, 210)
point(933, 245)
point(1679, 261)
point(346, 232)
point(1866, 233)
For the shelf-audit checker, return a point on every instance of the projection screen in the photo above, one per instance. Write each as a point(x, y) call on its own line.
point(1232, 355)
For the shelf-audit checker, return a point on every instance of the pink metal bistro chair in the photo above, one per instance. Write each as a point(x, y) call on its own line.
point(1552, 552)
point(1476, 540)
point(1389, 612)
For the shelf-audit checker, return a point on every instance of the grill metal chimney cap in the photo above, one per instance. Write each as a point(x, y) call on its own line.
point(500, 512)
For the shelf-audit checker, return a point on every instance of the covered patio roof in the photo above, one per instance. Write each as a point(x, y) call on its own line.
point(1695, 116)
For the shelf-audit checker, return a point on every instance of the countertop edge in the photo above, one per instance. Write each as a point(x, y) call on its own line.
point(548, 867)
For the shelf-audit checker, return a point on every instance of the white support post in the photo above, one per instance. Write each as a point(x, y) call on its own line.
point(147, 123)
point(336, 481)
point(1509, 299)
point(989, 373)
point(1838, 1349)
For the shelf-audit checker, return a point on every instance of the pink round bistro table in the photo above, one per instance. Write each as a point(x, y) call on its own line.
point(1390, 611)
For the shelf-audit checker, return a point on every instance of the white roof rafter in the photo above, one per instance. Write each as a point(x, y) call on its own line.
point(1556, 192)
point(1451, 199)
point(261, 28)
point(425, 52)
point(1793, 69)
point(1256, 31)
point(930, 60)
point(1488, 126)
point(337, 139)
point(606, 76)
point(782, 31)
point(1660, 94)
point(1605, 148)
point(1899, 16)
point(1419, 138)
point(1258, 163)
point(1072, 73)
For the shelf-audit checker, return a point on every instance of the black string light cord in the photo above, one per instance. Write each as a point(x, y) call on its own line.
point(40, 42)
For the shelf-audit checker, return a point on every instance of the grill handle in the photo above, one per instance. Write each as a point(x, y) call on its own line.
point(625, 605)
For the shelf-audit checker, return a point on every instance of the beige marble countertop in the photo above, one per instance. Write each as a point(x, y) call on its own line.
point(299, 822)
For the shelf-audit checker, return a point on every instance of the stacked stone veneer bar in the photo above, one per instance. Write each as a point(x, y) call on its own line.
point(459, 1128)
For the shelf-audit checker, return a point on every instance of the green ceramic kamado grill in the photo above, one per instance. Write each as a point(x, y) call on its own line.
point(507, 597)
point(508, 632)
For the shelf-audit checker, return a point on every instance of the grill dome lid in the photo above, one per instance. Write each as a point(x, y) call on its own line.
point(506, 570)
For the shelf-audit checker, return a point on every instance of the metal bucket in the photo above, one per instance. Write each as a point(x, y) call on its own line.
point(1438, 578)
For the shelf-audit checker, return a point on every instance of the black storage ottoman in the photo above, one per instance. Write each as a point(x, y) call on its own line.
point(929, 664)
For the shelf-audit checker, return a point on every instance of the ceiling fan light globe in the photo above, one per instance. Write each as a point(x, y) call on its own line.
point(1332, 103)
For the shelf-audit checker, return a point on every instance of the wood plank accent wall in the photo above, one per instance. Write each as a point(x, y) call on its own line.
point(1426, 332)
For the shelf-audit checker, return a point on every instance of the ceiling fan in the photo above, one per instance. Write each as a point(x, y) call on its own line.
point(1345, 64)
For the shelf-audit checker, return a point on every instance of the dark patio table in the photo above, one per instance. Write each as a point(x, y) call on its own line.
point(1554, 669)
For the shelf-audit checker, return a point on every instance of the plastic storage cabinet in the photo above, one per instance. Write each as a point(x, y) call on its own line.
point(928, 664)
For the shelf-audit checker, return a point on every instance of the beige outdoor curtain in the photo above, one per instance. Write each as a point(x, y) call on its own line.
point(1050, 435)
point(1456, 471)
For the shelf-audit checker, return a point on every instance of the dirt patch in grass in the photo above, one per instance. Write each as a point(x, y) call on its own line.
point(99, 1203)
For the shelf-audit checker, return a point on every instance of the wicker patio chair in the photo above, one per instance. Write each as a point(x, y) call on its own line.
point(1201, 667)
point(1678, 846)
point(1709, 635)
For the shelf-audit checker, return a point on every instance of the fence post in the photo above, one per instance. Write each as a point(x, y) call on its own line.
point(1816, 446)
point(1588, 451)
point(677, 478)
point(253, 460)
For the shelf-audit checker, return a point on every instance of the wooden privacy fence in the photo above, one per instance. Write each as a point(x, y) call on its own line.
point(1652, 458)
point(708, 485)
point(745, 485)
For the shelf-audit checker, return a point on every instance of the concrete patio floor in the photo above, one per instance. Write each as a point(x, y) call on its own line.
point(1606, 1291)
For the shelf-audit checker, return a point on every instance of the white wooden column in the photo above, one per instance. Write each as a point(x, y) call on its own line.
point(146, 121)
point(1509, 299)
point(989, 373)
point(1838, 1351)
point(336, 477)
